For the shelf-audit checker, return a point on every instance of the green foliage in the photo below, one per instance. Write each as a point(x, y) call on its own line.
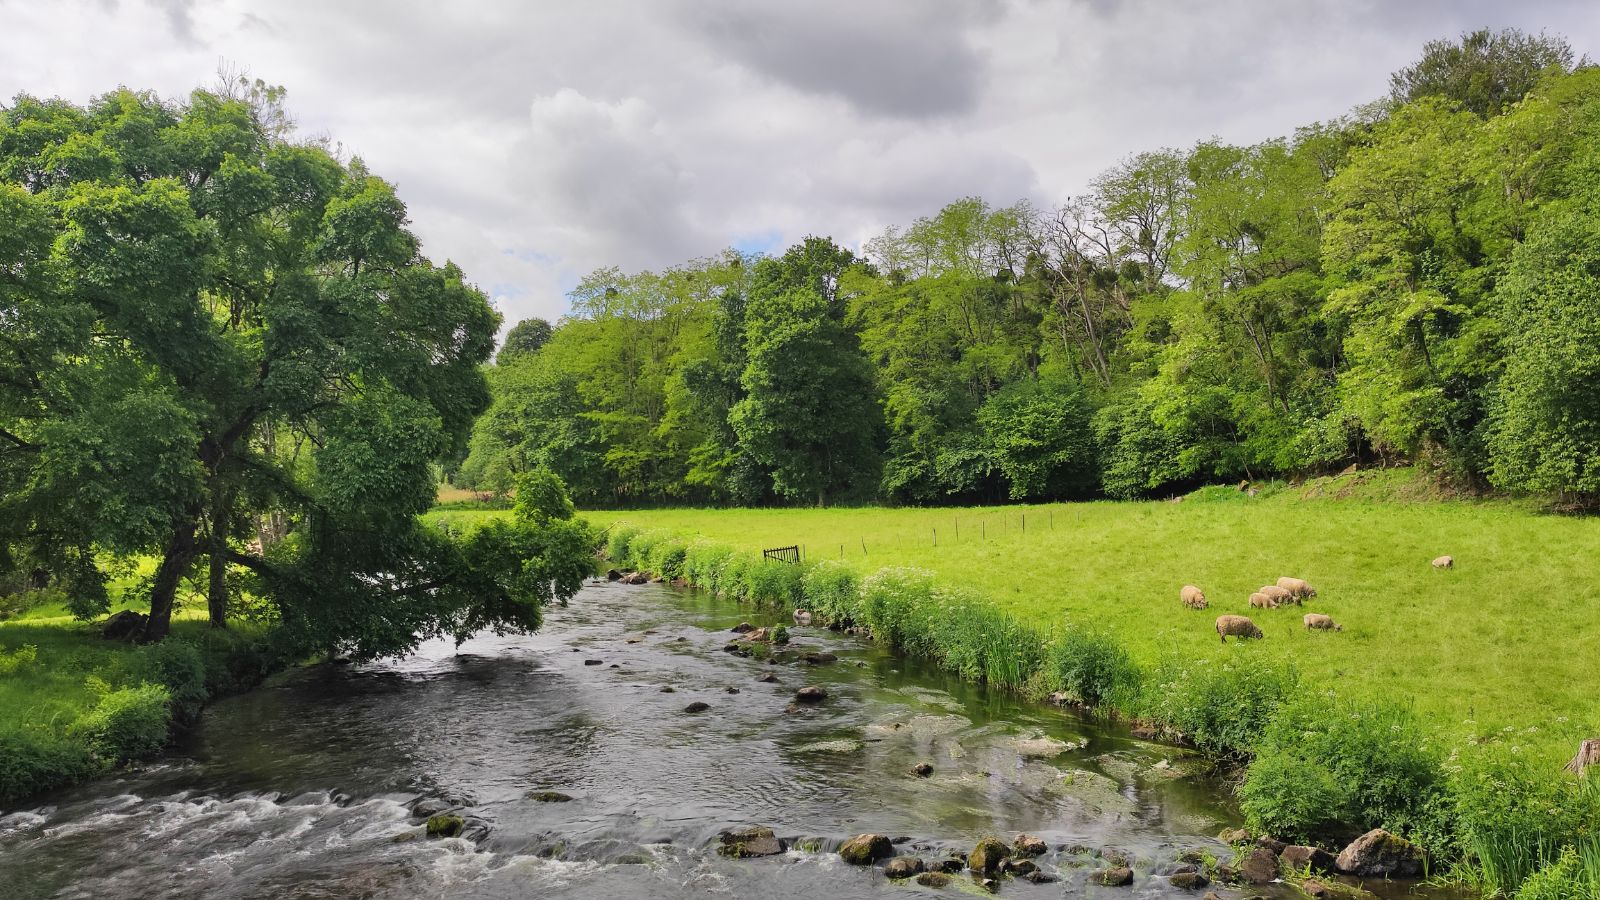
point(527, 336)
point(34, 760)
point(1485, 71)
point(1570, 876)
point(1039, 436)
point(1092, 668)
point(832, 592)
point(1222, 707)
point(769, 583)
point(618, 540)
point(1328, 769)
point(126, 724)
point(703, 562)
point(1514, 814)
point(541, 497)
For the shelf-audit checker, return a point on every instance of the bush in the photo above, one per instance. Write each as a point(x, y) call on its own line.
point(703, 562)
point(20, 658)
point(640, 546)
point(893, 603)
point(1327, 770)
point(731, 578)
point(832, 592)
point(16, 603)
point(774, 584)
point(126, 724)
point(1513, 815)
point(176, 665)
point(667, 557)
point(1221, 708)
point(617, 542)
point(1569, 876)
point(34, 760)
point(1092, 668)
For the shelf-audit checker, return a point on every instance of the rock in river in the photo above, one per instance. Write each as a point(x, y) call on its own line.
point(757, 840)
point(866, 849)
point(1028, 845)
point(922, 769)
point(811, 694)
point(1260, 866)
point(933, 879)
point(697, 707)
point(445, 825)
point(1113, 877)
point(1379, 854)
point(903, 867)
point(988, 856)
point(550, 797)
point(1314, 858)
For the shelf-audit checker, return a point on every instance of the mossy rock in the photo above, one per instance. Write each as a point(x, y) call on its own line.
point(988, 855)
point(1333, 890)
point(550, 797)
point(445, 825)
point(933, 879)
point(1117, 876)
point(866, 849)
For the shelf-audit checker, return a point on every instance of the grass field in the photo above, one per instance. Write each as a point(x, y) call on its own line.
point(1509, 638)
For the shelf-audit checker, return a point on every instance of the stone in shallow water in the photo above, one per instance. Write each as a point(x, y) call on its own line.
point(757, 840)
point(549, 797)
point(922, 769)
point(1379, 854)
point(445, 826)
point(1028, 845)
point(903, 867)
point(933, 879)
point(697, 707)
point(988, 855)
point(838, 745)
point(866, 849)
point(811, 694)
point(1117, 876)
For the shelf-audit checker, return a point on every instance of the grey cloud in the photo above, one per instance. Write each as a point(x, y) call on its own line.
point(906, 59)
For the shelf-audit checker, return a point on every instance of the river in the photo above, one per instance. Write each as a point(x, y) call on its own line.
point(305, 788)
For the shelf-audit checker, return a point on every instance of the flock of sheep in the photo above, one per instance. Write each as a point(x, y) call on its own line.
point(1272, 596)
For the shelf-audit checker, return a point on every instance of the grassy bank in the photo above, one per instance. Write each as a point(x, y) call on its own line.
point(1444, 710)
point(74, 705)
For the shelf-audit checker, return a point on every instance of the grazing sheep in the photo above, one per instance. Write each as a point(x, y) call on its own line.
point(1239, 626)
point(1280, 595)
point(1262, 601)
point(1192, 597)
point(1444, 562)
point(1320, 622)
point(1297, 587)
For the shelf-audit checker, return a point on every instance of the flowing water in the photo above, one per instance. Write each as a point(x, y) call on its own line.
point(310, 787)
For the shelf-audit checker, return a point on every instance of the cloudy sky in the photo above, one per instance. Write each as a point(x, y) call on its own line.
point(536, 141)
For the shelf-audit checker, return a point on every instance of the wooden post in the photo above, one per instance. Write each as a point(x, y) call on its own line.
point(1024, 523)
point(936, 537)
point(1588, 755)
point(958, 529)
point(863, 545)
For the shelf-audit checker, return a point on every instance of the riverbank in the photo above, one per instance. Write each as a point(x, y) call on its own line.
point(1440, 711)
point(74, 705)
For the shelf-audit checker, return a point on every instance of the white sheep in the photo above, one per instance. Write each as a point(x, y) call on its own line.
point(1239, 626)
point(1444, 562)
point(1320, 622)
point(1262, 601)
point(1192, 597)
point(1297, 587)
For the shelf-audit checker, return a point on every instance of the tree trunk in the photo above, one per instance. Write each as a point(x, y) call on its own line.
point(179, 555)
point(217, 588)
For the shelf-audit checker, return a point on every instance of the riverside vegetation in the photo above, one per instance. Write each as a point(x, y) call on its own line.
point(1333, 733)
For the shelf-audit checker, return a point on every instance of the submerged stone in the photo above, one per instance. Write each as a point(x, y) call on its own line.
point(811, 694)
point(922, 769)
point(933, 879)
point(1189, 881)
point(697, 707)
point(550, 797)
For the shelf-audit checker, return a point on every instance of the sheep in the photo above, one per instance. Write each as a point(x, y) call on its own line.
point(1239, 626)
point(1262, 601)
point(1297, 587)
point(1279, 595)
point(1192, 597)
point(1320, 622)
point(1444, 562)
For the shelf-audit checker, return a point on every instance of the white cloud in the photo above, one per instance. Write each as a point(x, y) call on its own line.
point(535, 142)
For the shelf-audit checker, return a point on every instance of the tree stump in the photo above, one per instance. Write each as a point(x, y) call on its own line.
point(1588, 755)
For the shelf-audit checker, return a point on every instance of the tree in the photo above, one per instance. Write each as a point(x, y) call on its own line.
point(810, 412)
point(1485, 71)
point(206, 324)
point(524, 337)
point(1038, 434)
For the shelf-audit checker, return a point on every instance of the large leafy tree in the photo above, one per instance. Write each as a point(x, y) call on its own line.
point(1485, 71)
point(223, 347)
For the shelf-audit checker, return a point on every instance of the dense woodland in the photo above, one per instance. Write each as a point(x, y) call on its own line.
point(1417, 281)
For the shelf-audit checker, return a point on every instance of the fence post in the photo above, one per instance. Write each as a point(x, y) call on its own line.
point(1024, 523)
point(936, 537)
point(863, 545)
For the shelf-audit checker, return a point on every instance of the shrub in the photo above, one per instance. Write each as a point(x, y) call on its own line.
point(832, 591)
point(176, 665)
point(732, 579)
point(641, 545)
point(617, 542)
point(703, 561)
point(19, 658)
point(1092, 668)
point(1328, 769)
point(16, 603)
point(34, 760)
point(1512, 815)
point(126, 724)
point(667, 557)
point(891, 599)
point(1221, 708)
point(1570, 876)
point(775, 584)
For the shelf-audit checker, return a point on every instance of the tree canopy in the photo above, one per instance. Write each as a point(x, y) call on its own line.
point(1406, 283)
point(224, 346)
